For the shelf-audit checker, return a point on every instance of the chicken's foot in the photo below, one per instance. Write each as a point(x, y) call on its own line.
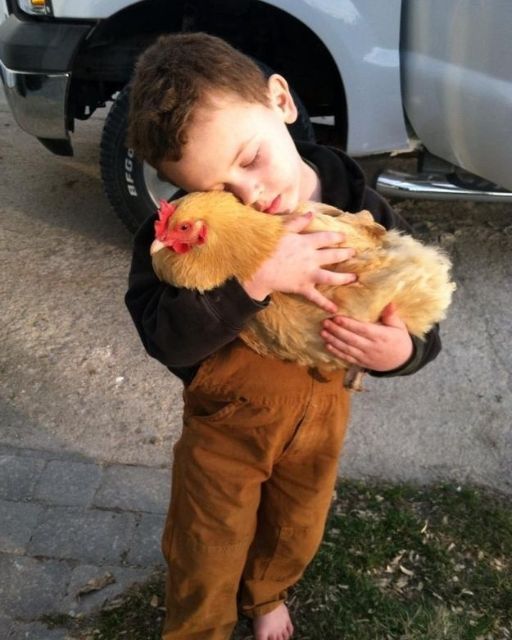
point(354, 378)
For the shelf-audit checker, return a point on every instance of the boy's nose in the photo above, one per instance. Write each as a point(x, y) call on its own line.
point(248, 194)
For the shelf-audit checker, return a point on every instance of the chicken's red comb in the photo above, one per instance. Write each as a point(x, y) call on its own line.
point(165, 211)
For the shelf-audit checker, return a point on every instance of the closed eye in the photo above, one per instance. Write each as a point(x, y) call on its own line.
point(252, 162)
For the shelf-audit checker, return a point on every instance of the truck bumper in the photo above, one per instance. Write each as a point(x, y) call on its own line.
point(35, 67)
point(37, 101)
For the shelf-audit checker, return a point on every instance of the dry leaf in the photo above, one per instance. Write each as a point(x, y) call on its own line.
point(95, 584)
point(113, 604)
point(382, 582)
point(407, 572)
point(402, 582)
point(498, 564)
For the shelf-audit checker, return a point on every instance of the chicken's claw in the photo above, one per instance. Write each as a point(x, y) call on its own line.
point(354, 378)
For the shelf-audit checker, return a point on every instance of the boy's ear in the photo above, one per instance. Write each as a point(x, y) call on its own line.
point(281, 99)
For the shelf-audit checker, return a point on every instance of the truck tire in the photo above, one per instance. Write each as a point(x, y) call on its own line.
point(132, 187)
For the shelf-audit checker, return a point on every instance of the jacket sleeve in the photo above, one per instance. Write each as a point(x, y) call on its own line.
point(382, 211)
point(180, 327)
point(424, 351)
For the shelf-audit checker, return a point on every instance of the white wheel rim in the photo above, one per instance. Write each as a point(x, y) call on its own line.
point(157, 189)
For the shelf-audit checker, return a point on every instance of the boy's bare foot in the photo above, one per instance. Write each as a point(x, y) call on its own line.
point(276, 625)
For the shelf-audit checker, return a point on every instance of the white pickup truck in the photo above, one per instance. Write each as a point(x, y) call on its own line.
point(429, 76)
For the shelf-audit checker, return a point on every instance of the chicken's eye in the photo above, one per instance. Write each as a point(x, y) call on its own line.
point(184, 227)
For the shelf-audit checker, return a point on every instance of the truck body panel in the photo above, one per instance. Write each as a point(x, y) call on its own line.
point(457, 82)
point(435, 76)
point(88, 9)
point(363, 38)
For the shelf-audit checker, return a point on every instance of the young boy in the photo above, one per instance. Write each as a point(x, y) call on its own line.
point(255, 467)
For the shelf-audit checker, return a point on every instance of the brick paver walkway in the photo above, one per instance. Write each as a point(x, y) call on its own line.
point(65, 520)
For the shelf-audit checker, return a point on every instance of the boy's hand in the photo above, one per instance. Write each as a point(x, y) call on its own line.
point(296, 265)
point(380, 346)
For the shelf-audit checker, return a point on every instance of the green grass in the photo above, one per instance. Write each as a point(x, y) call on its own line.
point(396, 563)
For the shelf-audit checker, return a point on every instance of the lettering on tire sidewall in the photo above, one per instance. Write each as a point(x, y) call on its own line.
point(129, 167)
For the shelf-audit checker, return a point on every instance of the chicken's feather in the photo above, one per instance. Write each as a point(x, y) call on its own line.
point(391, 267)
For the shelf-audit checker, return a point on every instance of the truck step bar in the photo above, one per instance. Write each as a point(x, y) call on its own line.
point(435, 186)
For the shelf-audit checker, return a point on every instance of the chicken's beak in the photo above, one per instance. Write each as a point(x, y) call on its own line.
point(156, 245)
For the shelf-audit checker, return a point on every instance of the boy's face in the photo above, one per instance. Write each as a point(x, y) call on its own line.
point(245, 148)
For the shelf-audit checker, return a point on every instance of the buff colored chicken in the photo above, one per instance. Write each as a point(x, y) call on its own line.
point(203, 239)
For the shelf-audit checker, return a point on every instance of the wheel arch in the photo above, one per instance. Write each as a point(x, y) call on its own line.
point(263, 30)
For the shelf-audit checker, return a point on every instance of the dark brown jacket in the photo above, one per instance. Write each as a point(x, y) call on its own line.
point(180, 327)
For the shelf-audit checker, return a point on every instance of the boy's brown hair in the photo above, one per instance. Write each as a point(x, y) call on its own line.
point(171, 78)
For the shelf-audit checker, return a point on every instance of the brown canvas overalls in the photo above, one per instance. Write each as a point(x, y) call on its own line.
point(253, 477)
